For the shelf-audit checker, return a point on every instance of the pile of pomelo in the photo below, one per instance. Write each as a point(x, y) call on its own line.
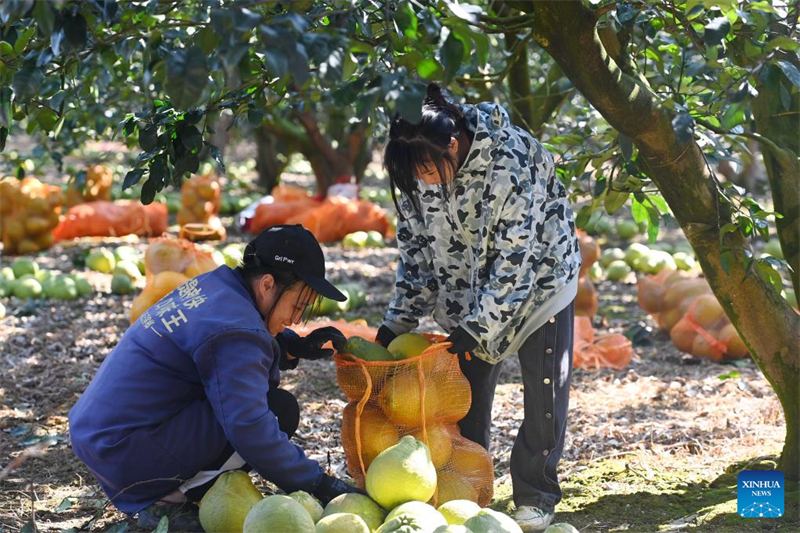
point(24, 279)
point(399, 482)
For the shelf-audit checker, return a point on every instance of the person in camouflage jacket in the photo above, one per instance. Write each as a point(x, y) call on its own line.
point(487, 244)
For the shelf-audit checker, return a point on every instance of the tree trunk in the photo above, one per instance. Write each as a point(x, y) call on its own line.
point(781, 126)
point(268, 166)
point(567, 30)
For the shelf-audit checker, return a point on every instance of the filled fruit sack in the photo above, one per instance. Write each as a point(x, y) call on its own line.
point(593, 352)
point(278, 212)
point(590, 252)
point(169, 263)
point(414, 387)
point(201, 200)
point(335, 217)
point(29, 210)
point(586, 302)
point(97, 186)
point(112, 219)
point(706, 331)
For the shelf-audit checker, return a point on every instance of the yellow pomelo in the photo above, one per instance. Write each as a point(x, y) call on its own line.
point(309, 502)
point(342, 523)
point(408, 345)
point(401, 399)
point(278, 514)
point(224, 507)
point(440, 442)
point(359, 505)
point(488, 521)
point(456, 512)
point(452, 486)
point(401, 474)
point(377, 433)
point(424, 514)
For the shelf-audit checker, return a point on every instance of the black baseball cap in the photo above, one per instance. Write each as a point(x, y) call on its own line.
point(293, 247)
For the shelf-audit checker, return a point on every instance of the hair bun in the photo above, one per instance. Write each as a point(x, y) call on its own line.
point(400, 128)
point(434, 98)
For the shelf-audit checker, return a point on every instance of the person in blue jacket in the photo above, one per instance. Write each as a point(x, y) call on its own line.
point(191, 390)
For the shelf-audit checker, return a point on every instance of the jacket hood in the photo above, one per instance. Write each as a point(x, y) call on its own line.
point(488, 121)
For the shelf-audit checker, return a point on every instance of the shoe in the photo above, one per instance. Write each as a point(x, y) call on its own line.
point(531, 518)
point(181, 516)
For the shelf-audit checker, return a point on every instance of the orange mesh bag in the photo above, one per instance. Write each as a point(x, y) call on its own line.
point(200, 200)
point(586, 302)
point(338, 216)
point(706, 331)
point(289, 193)
point(268, 215)
point(29, 210)
point(113, 219)
point(97, 186)
point(423, 396)
point(604, 351)
point(590, 252)
point(169, 263)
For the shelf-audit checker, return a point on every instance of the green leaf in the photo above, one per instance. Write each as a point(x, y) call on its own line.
point(659, 203)
point(429, 69)
point(790, 71)
point(716, 31)
point(255, 117)
point(783, 43)
point(149, 190)
point(733, 374)
point(187, 76)
point(768, 273)
point(47, 119)
point(409, 103)
point(3, 137)
point(615, 200)
point(132, 178)
point(625, 146)
point(406, 20)
point(65, 504)
point(216, 155)
point(207, 39)
point(726, 259)
point(451, 54)
point(6, 116)
point(148, 138)
point(27, 81)
point(6, 49)
point(23, 40)
point(163, 525)
point(638, 211)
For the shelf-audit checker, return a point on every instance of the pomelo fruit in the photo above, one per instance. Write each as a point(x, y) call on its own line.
point(24, 265)
point(440, 442)
point(456, 512)
point(408, 345)
point(359, 505)
point(452, 529)
point(402, 473)
point(657, 261)
point(7, 273)
point(635, 251)
point(423, 513)
point(453, 486)
point(121, 284)
point(62, 288)
point(472, 460)
point(279, 514)
point(627, 229)
point(310, 503)
point(610, 255)
point(736, 347)
point(165, 282)
point(2, 310)
point(366, 350)
point(375, 239)
point(684, 261)
point(377, 433)
point(101, 260)
point(233, 254)
point(402, 403)
point(403, 524)
point(703, 348)
point(225, 506)
point(617, 271)
point(342, 523)
point(127, 268)
point(488, 521)
point(43, 275)
point(357, 239)
point(83, 286)
point(126, 253)
point(707, 311)
point(27, 287)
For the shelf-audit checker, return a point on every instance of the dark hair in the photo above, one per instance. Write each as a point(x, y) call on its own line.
point(253, 269)
point(412, 146)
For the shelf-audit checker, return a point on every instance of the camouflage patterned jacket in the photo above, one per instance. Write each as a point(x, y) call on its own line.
point(501, 256)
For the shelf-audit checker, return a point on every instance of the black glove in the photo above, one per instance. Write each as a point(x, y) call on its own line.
point(385, 336)
point(310, 346)
point(330, 487)
point(462, 342)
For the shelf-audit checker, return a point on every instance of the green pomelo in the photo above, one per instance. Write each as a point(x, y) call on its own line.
point(225, 506)
point(234, 254)
point(450, 528)
point(456, 512)
point(421, 512)
point(126, 253)
point(62, 288)
point(561, 528)
point(595, 272)
point(627, 229)
point(23, 266)
point(328, 306)
point(356, 296)
point(357, 504)
point(375, 239)
point(684, 261)
point(402, 473)
point(101, 261)
point(127, 268)
point(309, 502)
point(121, 284)
point(28, 287)
point(278, 514)
point(2, 310)
point(7, 273)
point(43, 275)
point(488, 521)
point(5, 288)
point(408, 345)
point(83, 286)
point(617, 271)
point(357, 239)
point(366, 350)
point(403, 524)
point(610, 255)
point(635, 251)
point(342, 523)
point(659, 260)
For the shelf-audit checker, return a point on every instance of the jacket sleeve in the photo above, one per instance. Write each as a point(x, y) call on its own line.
point(518, 241)
point(234, 368)
point(415, 287)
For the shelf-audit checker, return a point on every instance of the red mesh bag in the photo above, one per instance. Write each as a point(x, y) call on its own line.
point(424, 396)
point(593, 352)
point(113, 219)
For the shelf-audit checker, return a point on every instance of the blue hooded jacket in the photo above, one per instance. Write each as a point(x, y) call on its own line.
point(191, 375)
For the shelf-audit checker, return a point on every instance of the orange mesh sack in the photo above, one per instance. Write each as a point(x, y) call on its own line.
point(706, 331)
point(169, 263)
point(272, 214)
point(288, 193)
point(599, 351)
point(29, 210)
point(112, 219)
point(668, 296)
point(423, 396)
point(337, 216)
point(590, 252)
point(201, 200)
point(96, 187)
point(586, 302)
